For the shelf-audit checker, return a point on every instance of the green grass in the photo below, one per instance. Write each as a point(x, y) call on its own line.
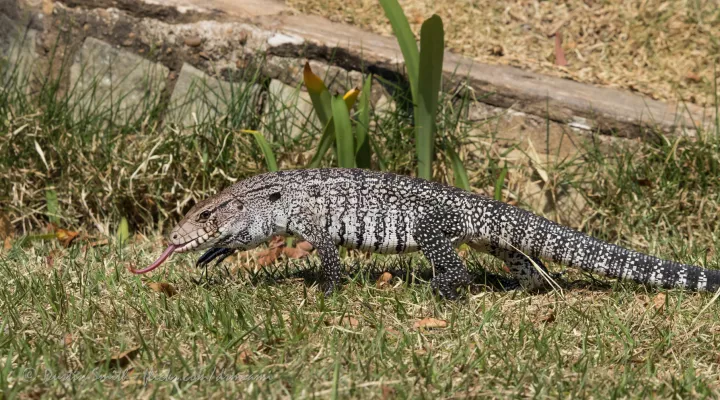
point(69, 312)
point(78, 313)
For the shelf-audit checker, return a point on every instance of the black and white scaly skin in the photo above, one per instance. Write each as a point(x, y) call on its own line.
point(388, 213)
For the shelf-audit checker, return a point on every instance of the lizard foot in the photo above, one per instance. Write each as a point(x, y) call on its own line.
point(446, 285)
point(498, 282)
point(330, 287)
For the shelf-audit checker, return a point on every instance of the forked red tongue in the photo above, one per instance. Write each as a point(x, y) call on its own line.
point(164, 256)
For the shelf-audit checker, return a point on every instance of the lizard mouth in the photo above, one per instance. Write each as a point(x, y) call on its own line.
point(193, 244)
point(174, 248)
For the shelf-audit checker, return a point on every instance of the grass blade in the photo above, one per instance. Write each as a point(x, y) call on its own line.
point(319, 95)
point(432, 46)
point(343, 133)
point(405, 39)
point(362, 150)
point(265, 148)
point(461, 177)
point(53, 208)
point(500, 182)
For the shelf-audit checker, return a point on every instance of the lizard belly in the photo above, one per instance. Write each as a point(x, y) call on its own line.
point(386, 232)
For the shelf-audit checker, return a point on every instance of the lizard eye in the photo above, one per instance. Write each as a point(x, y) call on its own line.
point(204, 216)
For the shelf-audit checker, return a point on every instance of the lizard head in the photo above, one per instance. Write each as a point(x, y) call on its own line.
point(230, 219)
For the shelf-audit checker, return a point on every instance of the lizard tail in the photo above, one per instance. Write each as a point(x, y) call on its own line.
point(546, 239)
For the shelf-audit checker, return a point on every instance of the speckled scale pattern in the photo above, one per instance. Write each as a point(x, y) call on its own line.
point(389, 213)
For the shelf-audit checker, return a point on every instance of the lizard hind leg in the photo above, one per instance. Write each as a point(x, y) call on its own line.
point(433, 235)
point(520, 266)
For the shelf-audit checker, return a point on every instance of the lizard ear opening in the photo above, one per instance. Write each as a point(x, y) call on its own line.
point(275, 197)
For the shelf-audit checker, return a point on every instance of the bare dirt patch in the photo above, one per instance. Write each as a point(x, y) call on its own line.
point(663, 49)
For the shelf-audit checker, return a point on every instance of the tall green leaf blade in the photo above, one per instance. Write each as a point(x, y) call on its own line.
point(459, 172)
point(319, 95)
point(53, 207)
point(406, 41)
point(328, 135)
point(343, 134)
point(432, 45)
point(362, 151)
point(326, 141)
point(500, 182)
point(265, 148)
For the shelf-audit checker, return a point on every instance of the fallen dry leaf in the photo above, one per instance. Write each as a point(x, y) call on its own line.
point(430, 323)
point(693, 77)
point(244, 355)
point(163, 287)
point(383, 280)
point(6, 228)
point(392, 331)
point(68, 339)
point(304, 245)
point(121, 360)
point(65, 237)
point(97, 243)
point(549, 317)
point(387, 392)
point(267, 257)
point(659, 302)
point(294, 252)
point(347, 321)
point(276, 241)
point(559, 53)
point(8, 244)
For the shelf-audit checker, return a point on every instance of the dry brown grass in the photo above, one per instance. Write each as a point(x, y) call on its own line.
point(662, 49)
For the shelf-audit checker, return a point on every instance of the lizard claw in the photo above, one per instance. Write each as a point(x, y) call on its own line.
point(219, 253)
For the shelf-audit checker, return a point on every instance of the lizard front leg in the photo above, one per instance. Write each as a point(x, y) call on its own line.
point(306, 228)
point(433, 234)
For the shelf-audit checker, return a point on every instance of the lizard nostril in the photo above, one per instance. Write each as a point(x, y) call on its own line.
point(174, 236)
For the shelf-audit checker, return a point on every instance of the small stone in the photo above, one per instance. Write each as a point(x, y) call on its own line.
point(127, 43)
point(193, 41)
point(204, 55)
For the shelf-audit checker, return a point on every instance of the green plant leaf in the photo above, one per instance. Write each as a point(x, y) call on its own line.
point(362, 150)
point(432, 47)
point(382, 163)
point(319, 95)
point(53, 208)
point(459, 172)
point(500, 182)
point(326, 141)
point(328, 134)
point(406, 41)
point(265, 148)
point(123, 231)
point(343, 133)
